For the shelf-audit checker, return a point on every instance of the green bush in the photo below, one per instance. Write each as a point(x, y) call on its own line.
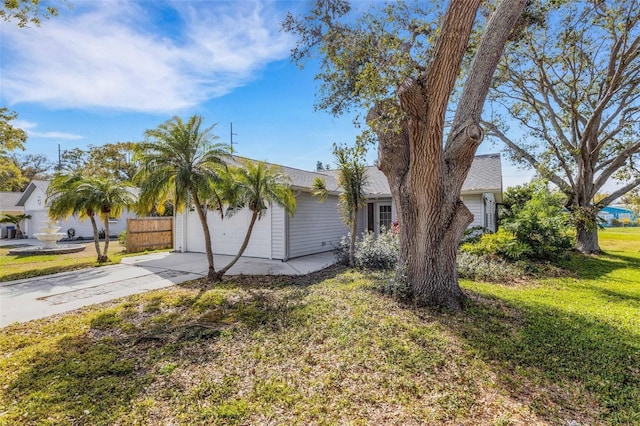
point(122, 238)
point(502, 244)
point(535, 225)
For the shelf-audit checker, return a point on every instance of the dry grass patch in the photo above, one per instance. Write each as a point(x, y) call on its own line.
point(328, 348)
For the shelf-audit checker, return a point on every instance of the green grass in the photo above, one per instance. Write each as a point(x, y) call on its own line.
point(330, 349)
point(16, 267)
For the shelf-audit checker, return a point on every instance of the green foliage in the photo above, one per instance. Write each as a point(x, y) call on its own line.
point(88, 197)
point(179, 162)
point(503, 244)
point(11, 138)
point(122, 239)
point(11, 177)
point(329, 349)
point(631, 200)
point(260, 185)
point(255, 185)
point(111, 160)
point(573, 109)
point(352, 179)
point(25, 12)
point(534, 225)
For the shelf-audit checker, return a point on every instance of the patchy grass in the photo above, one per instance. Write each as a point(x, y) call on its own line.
point(329, 349)
point(15, 267)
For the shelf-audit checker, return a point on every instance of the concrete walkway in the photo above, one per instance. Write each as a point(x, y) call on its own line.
point(29, 299)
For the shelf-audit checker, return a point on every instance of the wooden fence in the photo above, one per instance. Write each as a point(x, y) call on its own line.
point(149, 233)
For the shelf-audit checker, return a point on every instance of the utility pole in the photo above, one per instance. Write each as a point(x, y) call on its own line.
point(59, 159)
point(231, 134)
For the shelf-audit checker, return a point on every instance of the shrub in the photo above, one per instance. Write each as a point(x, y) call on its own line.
point(377, 252)
point(502, 244)
point(122, 239)
point(486, 268)
point(371, 251)
point(537, 228)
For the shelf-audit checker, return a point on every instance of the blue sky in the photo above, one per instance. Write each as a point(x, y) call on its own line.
point(105, 71)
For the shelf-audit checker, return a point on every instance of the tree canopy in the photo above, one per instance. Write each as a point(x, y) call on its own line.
point(571, 86)
point(401, 63)
point(25, 12)
point(180, 162)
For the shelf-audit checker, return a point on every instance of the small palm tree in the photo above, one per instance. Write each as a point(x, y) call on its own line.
point(257, 185)
point(180, 162)
point(352, 179)
point(16, 220)
point(87, 197)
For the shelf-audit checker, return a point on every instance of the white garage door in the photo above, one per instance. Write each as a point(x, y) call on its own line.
point(227, 235)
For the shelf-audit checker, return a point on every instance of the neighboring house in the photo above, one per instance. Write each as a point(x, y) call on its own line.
point(619, 213)
point(33, 200)
point(8, 205)
point(317, 227)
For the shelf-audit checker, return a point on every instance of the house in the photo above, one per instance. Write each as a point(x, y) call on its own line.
point(33, 201)
point(8, 205)
point(618, 213)
point(317, 227)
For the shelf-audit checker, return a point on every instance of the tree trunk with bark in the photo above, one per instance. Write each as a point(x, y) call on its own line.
point(212, 275)
point(352, 240)
point(96, 238)
point(426, 178)
point(587, 240)
point(243, 247)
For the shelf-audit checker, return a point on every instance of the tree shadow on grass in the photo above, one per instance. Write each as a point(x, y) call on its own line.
point(556, 356)
point(94, 377)
point(594, 267)
point(79, 381)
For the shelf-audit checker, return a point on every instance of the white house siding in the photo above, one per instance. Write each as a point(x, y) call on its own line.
point(228, 234)
point(278, 232)
point(316, 227)
point(490, 211)
point(475, 204)
point(35, 206)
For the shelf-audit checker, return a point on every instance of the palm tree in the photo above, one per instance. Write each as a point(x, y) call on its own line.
point(87, 197)
point(352, 179)
point(15, 219)
point(180, 162)
point(257, 185)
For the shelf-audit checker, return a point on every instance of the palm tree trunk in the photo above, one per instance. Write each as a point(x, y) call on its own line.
point(211, 275)
point(106, 237)
point(96, 238)
point(352, 243)
point(245, 243)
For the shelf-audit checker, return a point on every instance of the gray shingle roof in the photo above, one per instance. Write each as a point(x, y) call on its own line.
point(301, 179)
point(485, 175)
point(9, 200)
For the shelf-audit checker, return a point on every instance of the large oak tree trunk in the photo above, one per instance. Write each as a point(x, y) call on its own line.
point(587, 240)
point(426, 177)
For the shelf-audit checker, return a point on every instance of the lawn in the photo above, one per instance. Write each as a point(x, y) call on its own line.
point(330, 349)
point(13, 267)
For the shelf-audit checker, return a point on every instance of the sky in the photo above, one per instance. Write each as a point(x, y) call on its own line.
point(105, 71)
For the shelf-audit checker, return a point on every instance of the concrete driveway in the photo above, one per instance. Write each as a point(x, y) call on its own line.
point(33, 298)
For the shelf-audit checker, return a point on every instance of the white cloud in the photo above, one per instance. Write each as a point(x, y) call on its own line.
point(114, 55)
point(28, 127)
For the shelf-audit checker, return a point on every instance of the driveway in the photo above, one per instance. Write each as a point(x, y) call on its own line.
point(33, 298)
